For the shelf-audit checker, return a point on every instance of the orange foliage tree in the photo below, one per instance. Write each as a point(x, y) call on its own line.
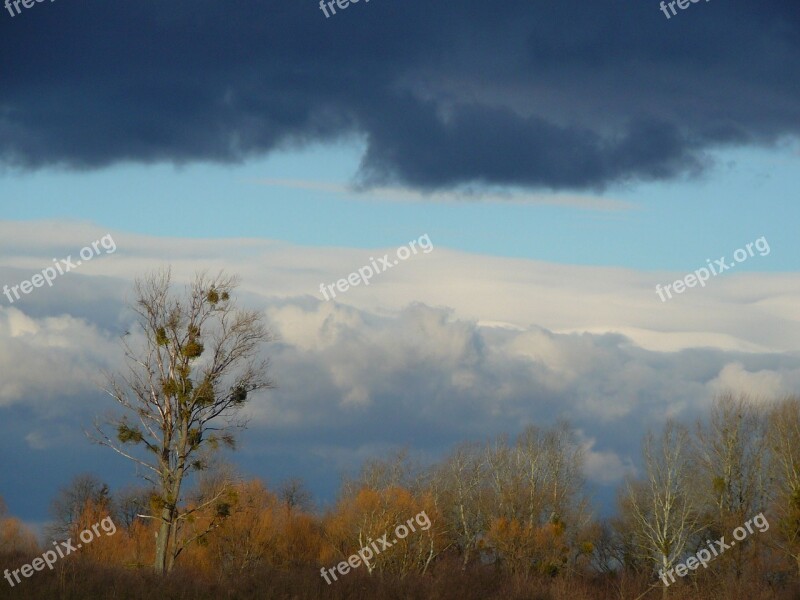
point(15, 537)
point(370, 515)
point(257, 533)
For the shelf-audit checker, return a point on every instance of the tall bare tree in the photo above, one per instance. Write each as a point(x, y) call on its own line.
point(535, 496)
point(731, 462)
point(731, 450)
point(661, 506)
point(192, 365)
point(460, 483)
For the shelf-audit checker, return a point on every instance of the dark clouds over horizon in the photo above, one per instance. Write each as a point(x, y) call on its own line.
point(567, 95)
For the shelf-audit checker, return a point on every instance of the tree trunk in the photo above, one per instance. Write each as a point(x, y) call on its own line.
point(162, 541)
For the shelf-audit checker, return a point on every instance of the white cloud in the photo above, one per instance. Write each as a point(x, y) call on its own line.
point(740, 312)
point(45, 359)
point(765, 383)
point(606, 467)
point(449, 346)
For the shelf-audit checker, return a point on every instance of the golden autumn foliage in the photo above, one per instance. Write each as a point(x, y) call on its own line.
point(525, 548)
point(129, 547)
point(371, 514)
point(15, 538)
point(302, 539)
point(257, 533)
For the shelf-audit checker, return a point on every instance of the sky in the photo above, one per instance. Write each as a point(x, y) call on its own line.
point(561, 159)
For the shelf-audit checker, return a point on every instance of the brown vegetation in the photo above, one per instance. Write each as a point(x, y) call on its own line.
point(508, 520)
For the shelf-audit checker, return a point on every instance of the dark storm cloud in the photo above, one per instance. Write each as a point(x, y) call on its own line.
point(561, 95)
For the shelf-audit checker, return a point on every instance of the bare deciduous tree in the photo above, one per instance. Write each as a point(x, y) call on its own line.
point(730, 452)
point(130, 503)
point(535, 497)
point(294, 494)
point(192, 366)
point(784, 445)
point(70, 503)
point(731, 458)
point(662, 505)
point(460, 483)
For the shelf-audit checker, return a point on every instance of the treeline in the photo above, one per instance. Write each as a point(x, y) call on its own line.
point(508, 519)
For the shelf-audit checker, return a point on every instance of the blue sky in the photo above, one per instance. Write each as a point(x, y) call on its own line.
point(672, 225)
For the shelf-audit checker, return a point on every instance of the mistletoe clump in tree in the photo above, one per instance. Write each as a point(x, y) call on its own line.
point(191, 368)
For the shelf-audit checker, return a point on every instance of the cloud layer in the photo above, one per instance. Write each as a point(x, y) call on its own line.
point(564, 95)
point(442, 348)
